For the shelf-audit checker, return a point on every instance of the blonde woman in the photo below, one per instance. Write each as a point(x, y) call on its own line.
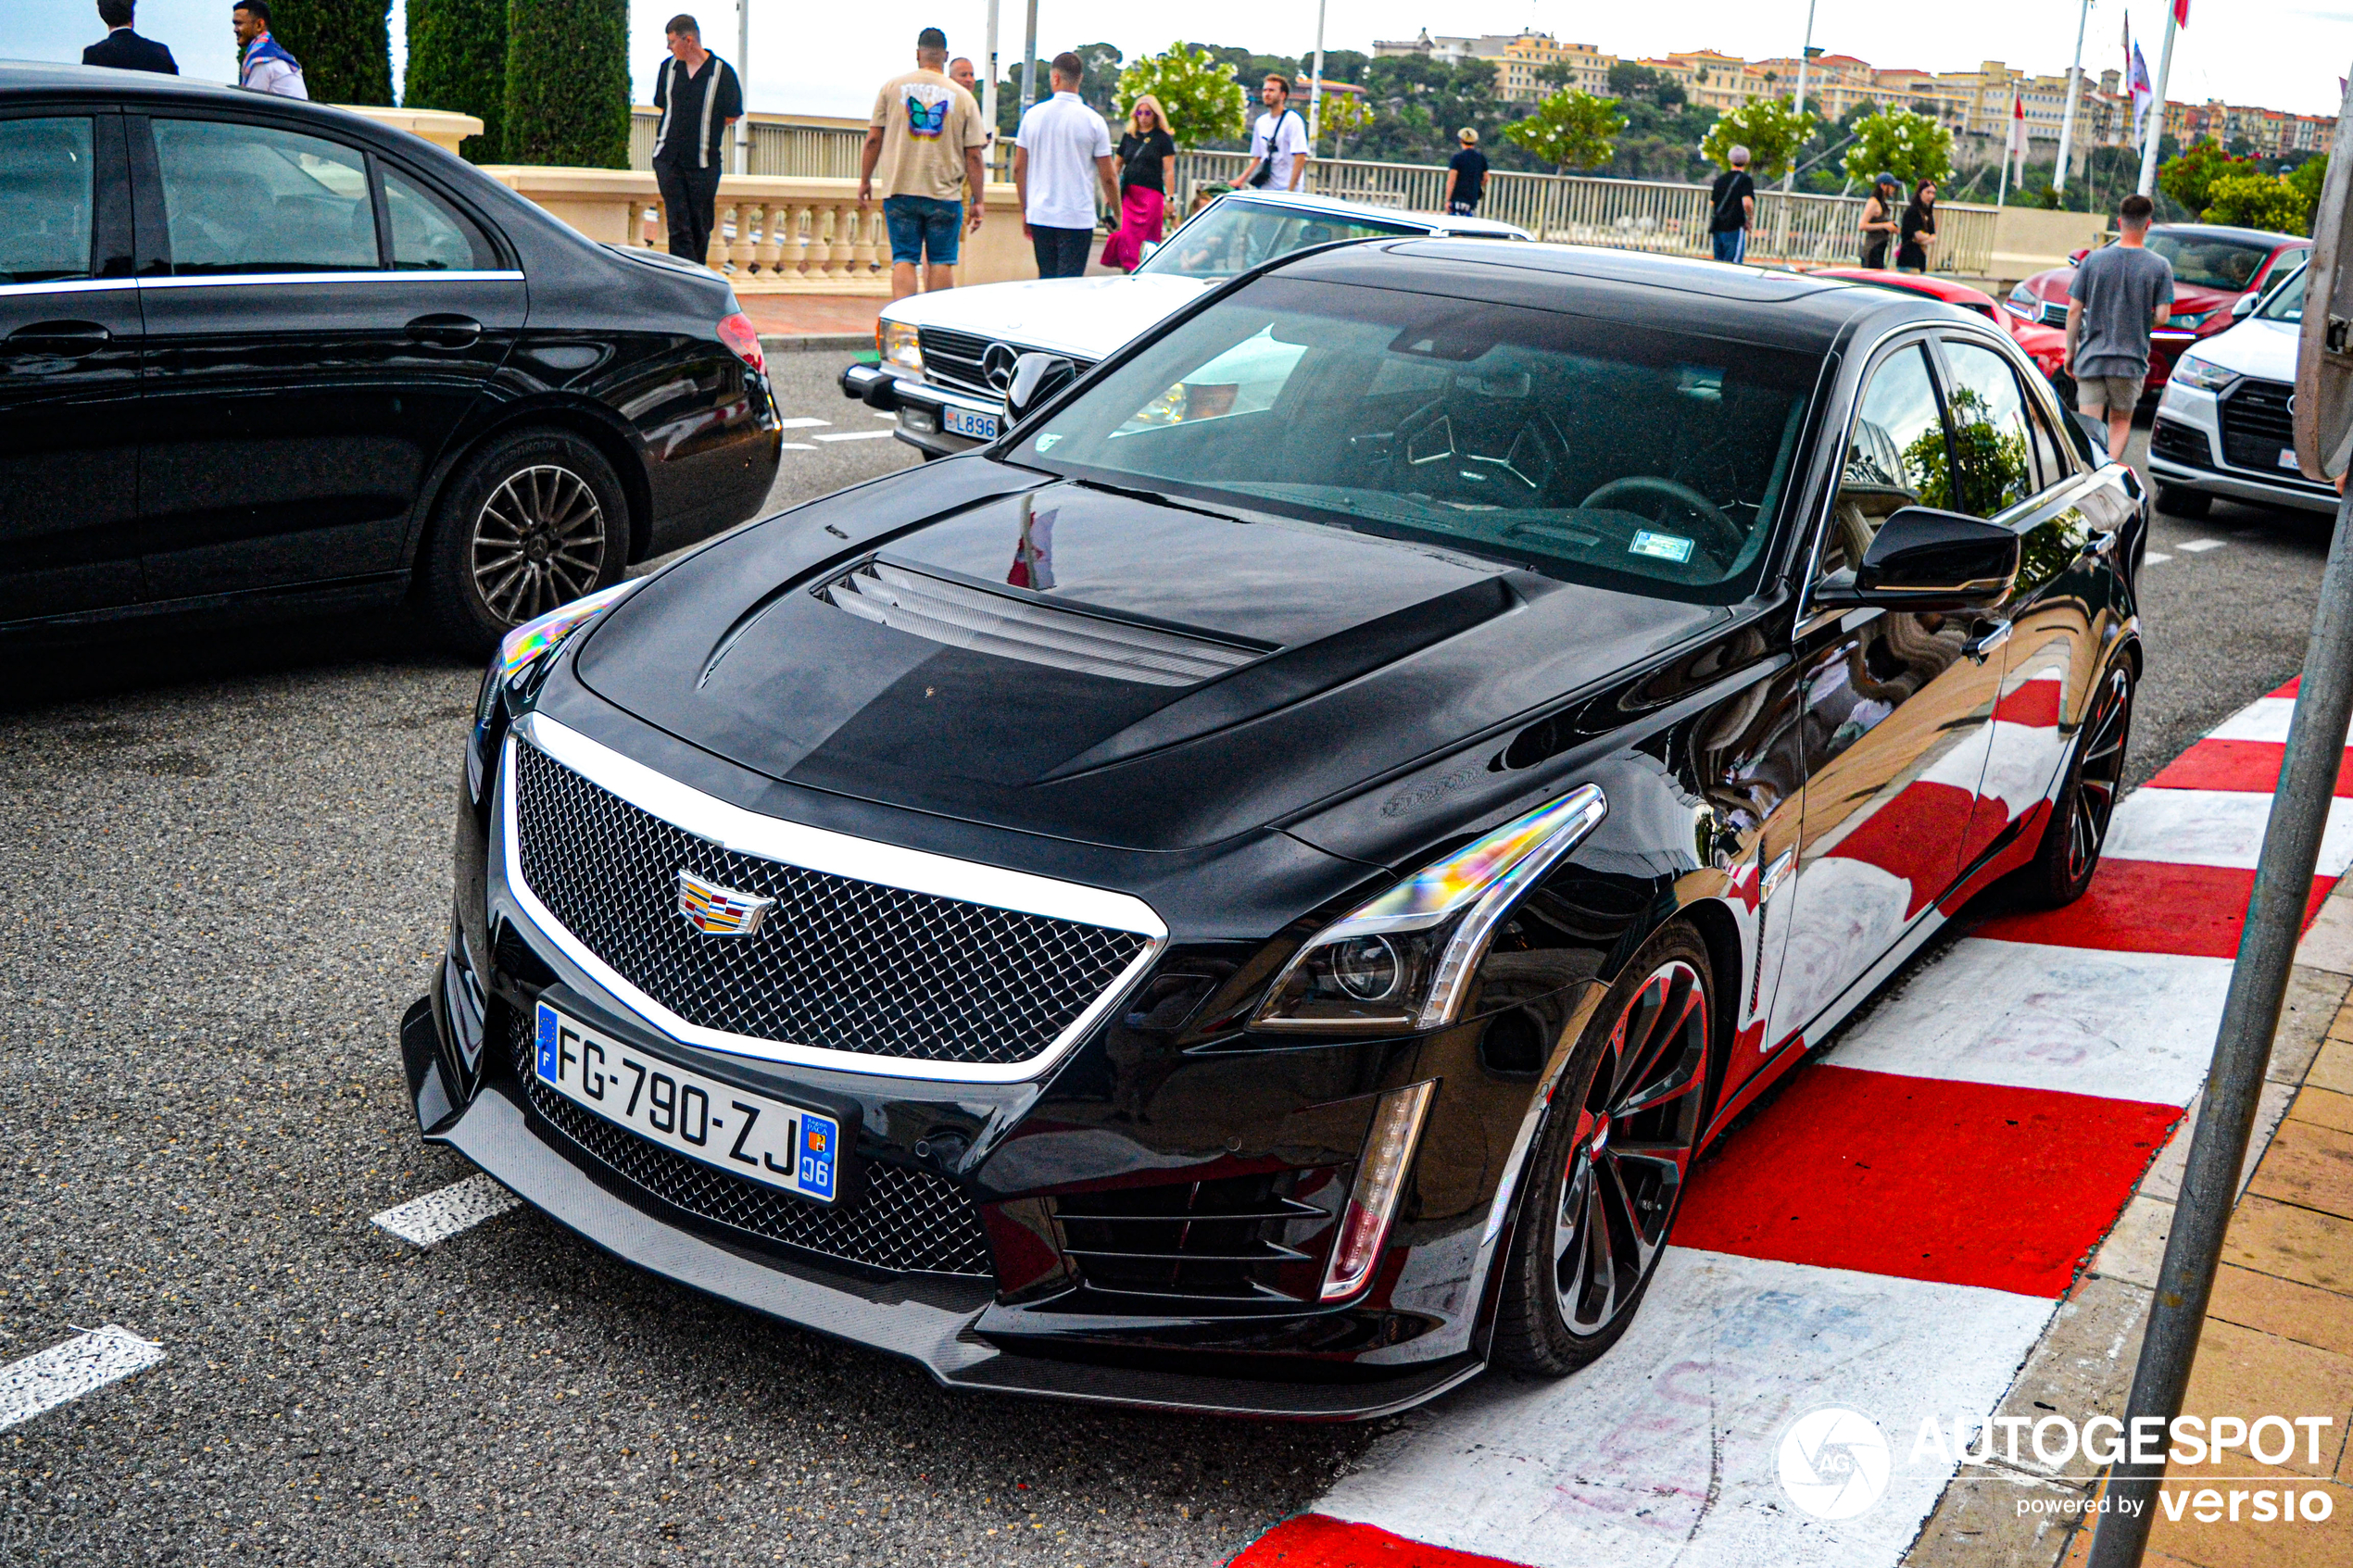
point(1143, 154)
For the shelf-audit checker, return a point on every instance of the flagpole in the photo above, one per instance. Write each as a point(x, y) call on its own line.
point(988, 89)
point(2074, 85)
point(1789, 181)
point(2164, 70)
point(1315, 86)
point(2001, 192)
point(743, 62)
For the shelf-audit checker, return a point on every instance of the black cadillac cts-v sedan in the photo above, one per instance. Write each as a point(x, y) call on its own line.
point(1248, 893)
point(259, 356)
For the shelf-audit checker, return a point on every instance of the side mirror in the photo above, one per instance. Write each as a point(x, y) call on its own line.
point(2244, 306)
point(2077, 257)
point(1923, 559)
point(1037, 377)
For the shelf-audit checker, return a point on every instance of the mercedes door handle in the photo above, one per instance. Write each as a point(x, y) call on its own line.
point(59, 340)
point(445, 331)
point(1984, 638)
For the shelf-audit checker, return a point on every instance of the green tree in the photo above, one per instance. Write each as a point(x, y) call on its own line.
point(1421, 103)
point(1342, 116)
point(568, 83)
point(1911, 146)
point(2306, 180)
point(458, 60)
point(2257, 201)
point(1772, 130)
point(1631, 83)
point(1096, 88)
point(1203, 100)
point(2187, 176)
point(344, 48)
point(1570, 129)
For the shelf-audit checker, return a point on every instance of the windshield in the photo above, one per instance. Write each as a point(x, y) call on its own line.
point(1592, 450)
point(2287, 303)
point(1230, 236)
point(2209, 263)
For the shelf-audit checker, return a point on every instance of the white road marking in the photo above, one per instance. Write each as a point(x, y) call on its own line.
point(2137, 1026)
point(64, 1372)
point(1666, 1451)
point(798, 447)
point(892, 418)
point(437, 1216)
point(2194, 545)
point(859, 436)
point(2213, 827)
point(2264, 719)
point(2154, 556)
point(802, 421)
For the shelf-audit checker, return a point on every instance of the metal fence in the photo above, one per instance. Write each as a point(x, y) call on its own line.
point(787, 146)
point(1625, 214)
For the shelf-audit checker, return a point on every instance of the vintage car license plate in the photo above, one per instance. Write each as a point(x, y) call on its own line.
point(762, 1139)
point(963, 422)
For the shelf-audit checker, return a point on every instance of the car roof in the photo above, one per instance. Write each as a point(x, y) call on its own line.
point(2229, 231)
point(1909, 282)
point(42, 76)
point(1769, 306)
point(1308, 201)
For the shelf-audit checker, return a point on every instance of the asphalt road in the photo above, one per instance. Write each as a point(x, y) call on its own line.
point(223, 877)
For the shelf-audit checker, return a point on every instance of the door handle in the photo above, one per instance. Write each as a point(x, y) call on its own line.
point(1986, 637)
point(445, 331)
point(60, 340)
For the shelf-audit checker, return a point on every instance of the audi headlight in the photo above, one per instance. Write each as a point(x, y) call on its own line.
point(2204, 375)
point(521, 662)
point(1405, 960)
point(898, 344)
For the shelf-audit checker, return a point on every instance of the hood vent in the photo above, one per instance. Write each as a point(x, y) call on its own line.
point(964, 617)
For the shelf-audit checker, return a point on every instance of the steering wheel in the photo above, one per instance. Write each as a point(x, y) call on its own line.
point(1728, 539)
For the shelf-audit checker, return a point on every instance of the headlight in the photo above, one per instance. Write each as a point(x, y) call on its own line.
point(1405, 960)
point(2190, 370)
point(896, 342)
point(2192, 322)
point(521, 660)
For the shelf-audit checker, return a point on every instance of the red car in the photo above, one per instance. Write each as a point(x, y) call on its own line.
point(2214, 266)
point(1944, 289)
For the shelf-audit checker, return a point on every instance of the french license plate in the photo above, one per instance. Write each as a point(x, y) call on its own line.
point(2287, 458)
point(963, 422)
point(762, 1139)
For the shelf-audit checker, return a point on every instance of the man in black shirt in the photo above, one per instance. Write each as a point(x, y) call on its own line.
point(123, 49)
point(1466, 175)
point(1734, 195)
point(699, 96)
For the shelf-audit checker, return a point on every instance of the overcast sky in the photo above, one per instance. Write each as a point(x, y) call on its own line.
point(2280, 54)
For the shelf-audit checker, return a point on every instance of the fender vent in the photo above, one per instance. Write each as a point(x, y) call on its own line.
point(965, 617)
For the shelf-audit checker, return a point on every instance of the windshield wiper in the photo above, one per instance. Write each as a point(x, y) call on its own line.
point(1137, 493)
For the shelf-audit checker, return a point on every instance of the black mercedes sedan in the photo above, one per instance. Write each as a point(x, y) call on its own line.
point(1249, 893)
point(260, 356)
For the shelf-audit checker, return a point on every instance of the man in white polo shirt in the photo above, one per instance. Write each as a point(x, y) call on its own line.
point(1059, 140)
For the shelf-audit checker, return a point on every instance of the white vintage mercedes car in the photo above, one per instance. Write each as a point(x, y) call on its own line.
point(947, 358)
point(2226, 425)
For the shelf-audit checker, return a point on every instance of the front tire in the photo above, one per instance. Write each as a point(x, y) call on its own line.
point(534, 520)
point(2175, 500)
point(2077, 830)
point(1607, 1175)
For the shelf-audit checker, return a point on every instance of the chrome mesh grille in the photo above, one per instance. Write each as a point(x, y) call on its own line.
point(954, 358)
point(907, 1221)
point(837, 964)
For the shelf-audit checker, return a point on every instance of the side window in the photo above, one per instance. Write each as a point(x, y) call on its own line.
point(47, 191)
point(427, 236)
point(249, 198)
point(2052, 456)
point(1996, 466)
point(1895, 457)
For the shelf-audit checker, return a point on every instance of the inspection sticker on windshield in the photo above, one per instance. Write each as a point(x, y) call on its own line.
point(1666, 546)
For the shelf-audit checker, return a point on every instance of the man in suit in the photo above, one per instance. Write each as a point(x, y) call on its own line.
point(123, 49)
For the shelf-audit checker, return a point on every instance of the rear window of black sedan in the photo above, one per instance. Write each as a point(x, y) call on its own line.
point(1586, 448)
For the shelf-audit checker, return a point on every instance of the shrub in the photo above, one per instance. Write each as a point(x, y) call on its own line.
point(2257, 201)
point(2187, 176)
point(1771, 129)
point(458, 60)
point(1571, 128)
point(568, 83)
point(344, 47)
point(1911, 146)
point(1204, 103)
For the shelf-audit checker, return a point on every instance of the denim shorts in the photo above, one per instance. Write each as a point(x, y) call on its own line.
point(922, 223)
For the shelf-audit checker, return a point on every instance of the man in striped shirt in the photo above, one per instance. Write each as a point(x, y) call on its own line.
point(699, 96)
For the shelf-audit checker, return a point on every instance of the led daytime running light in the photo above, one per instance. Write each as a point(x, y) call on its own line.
point(1440, 890)
point(536, 638)
point(1380, 1177)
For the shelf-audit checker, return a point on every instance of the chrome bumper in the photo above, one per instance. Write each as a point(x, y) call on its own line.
point(918, 404)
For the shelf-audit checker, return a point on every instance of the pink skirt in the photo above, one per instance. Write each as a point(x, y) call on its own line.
point(1141, 213)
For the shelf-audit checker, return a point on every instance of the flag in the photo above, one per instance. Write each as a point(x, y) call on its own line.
point(2136, 81)
point(2016, 147)
point(2181, 13)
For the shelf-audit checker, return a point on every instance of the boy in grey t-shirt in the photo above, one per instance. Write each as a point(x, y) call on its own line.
point(2119, 294)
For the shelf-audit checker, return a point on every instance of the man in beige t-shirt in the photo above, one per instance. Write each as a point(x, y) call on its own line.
point(925, 138)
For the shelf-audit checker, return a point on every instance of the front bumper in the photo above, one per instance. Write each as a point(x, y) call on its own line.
point(927, 1318)
point(919, 405)
point(2185, 451)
